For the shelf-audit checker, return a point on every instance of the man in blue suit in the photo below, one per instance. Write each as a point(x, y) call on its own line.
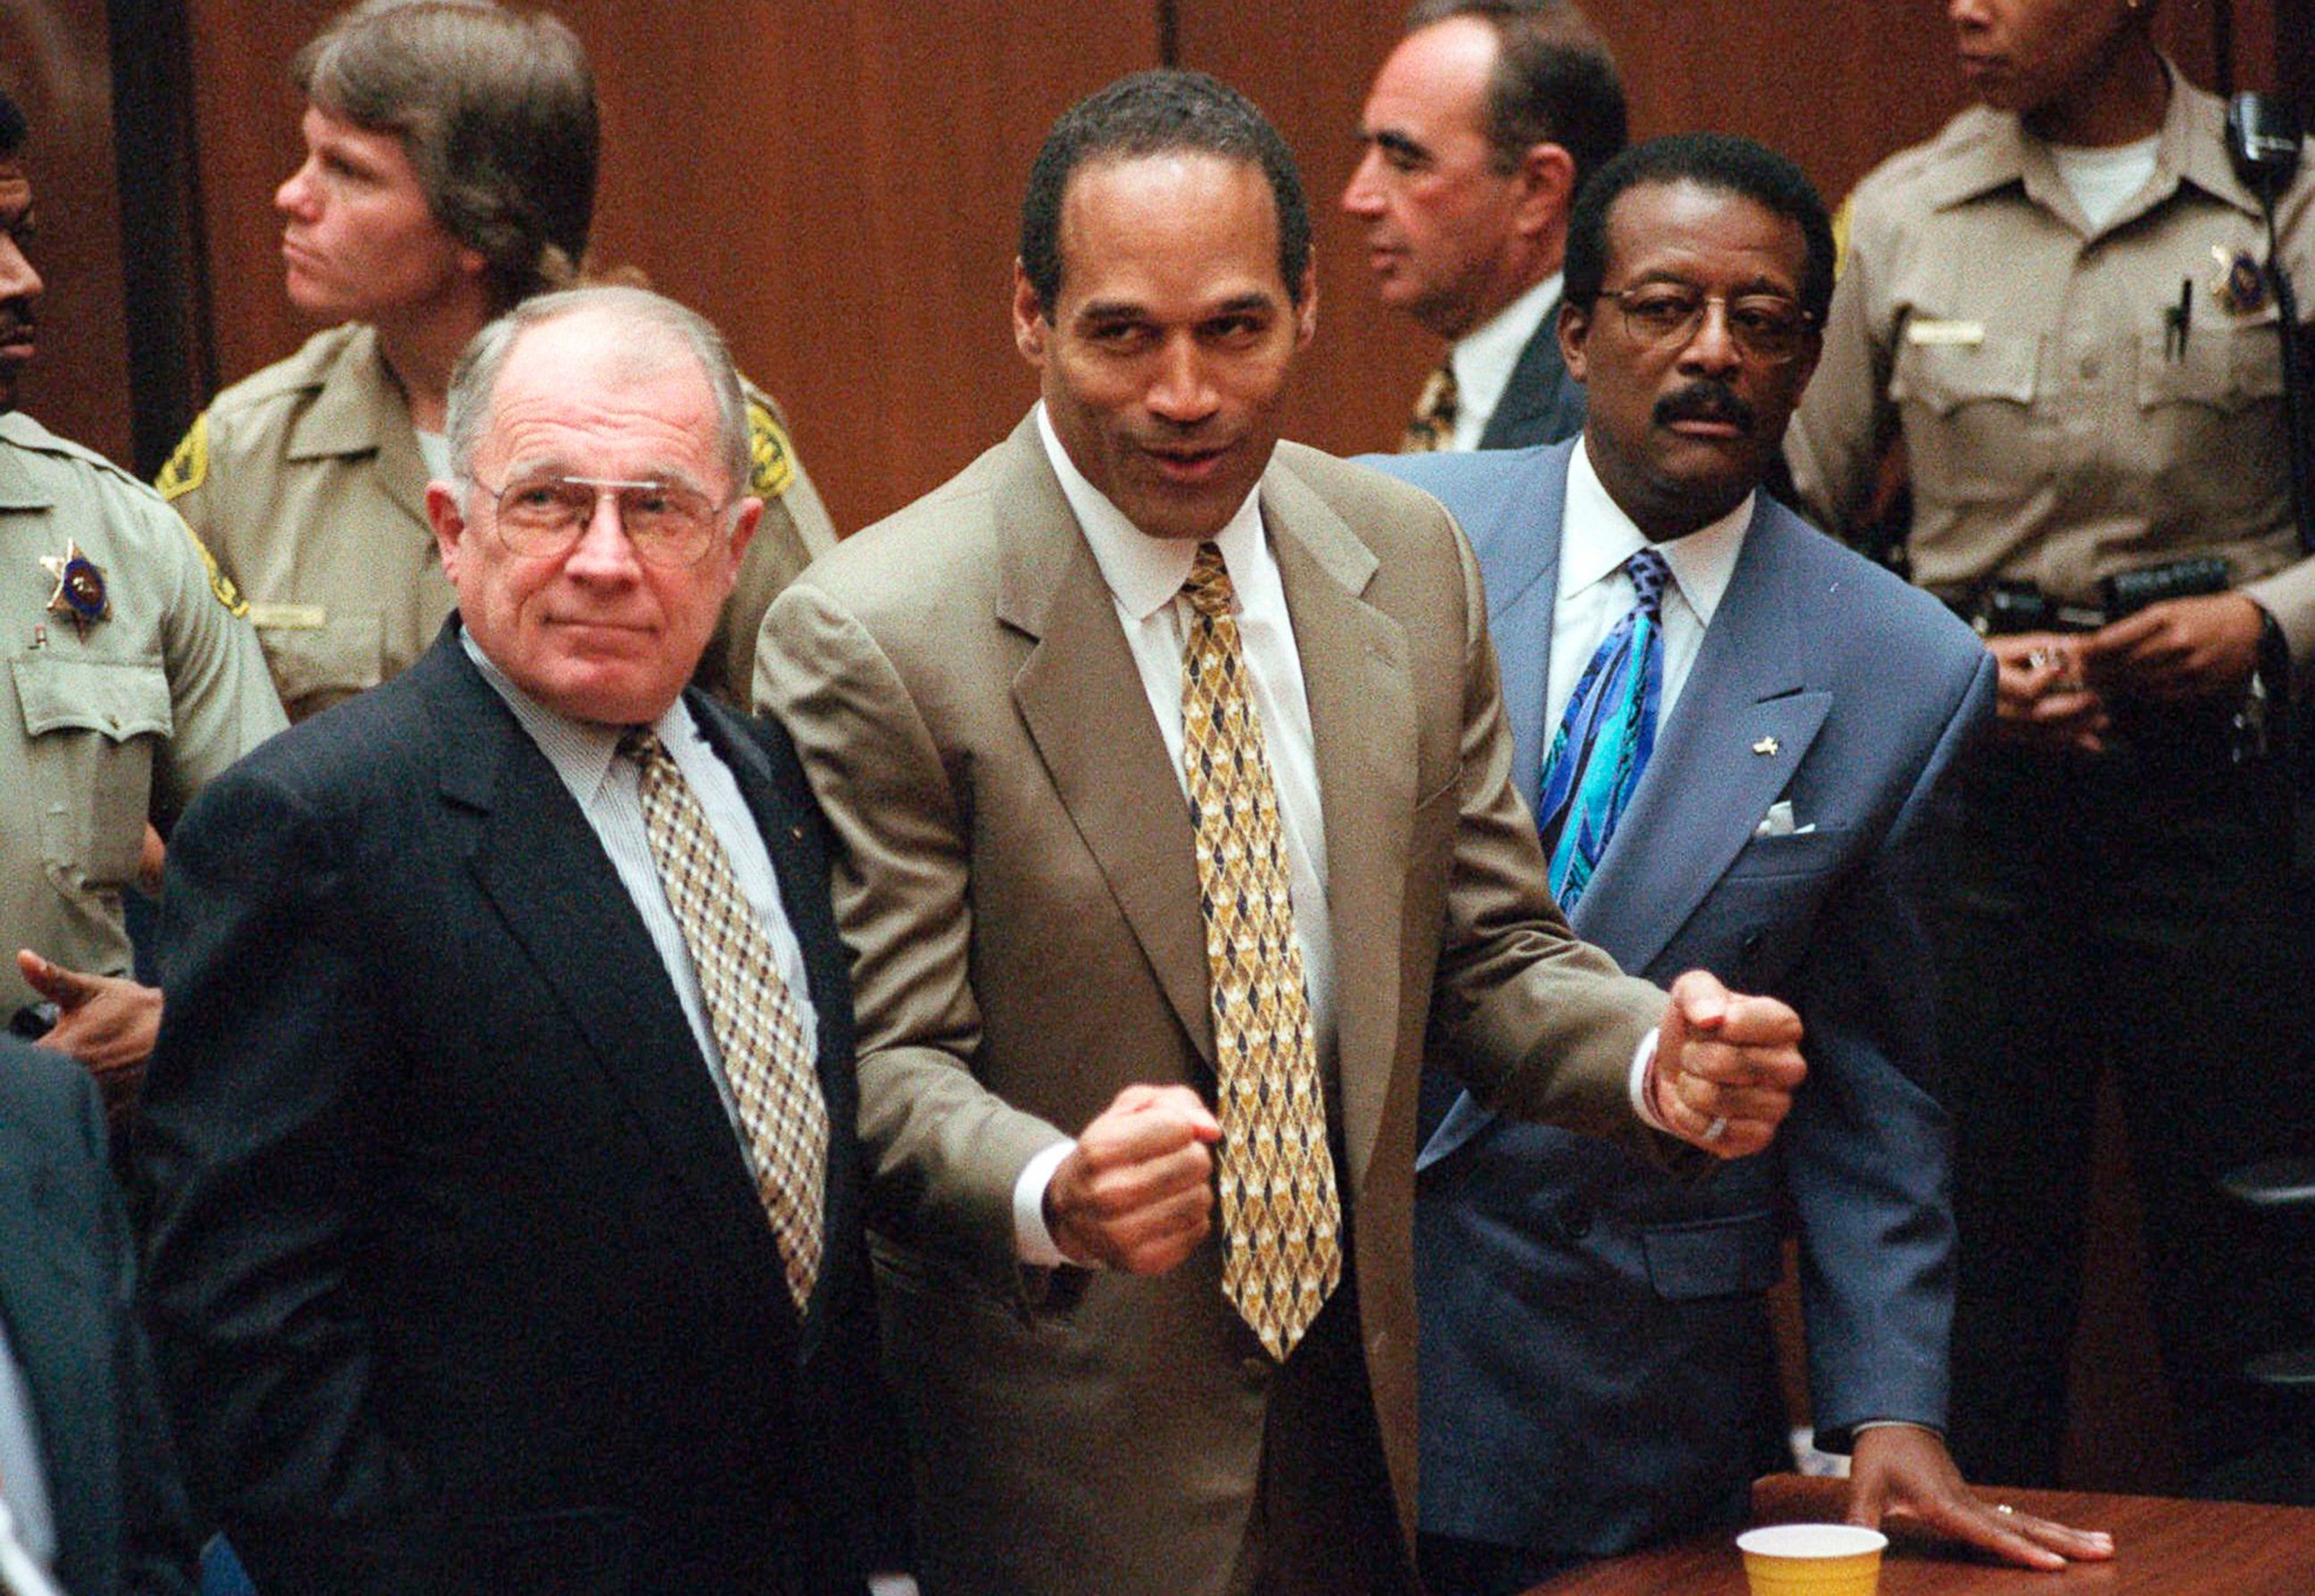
point(1735, 733)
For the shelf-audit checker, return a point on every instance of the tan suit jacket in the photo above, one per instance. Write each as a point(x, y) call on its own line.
point(1019, 891)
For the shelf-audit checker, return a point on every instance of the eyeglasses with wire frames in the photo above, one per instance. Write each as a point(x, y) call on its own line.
point(546, 512)
point(1767, 329)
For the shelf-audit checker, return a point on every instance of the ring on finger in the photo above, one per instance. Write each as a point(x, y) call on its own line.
point(1718, 1129)
point(2005, 1509)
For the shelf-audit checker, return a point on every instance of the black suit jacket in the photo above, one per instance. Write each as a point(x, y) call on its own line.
point(66, 1278)
point(456, 1274)
point(1541, 404)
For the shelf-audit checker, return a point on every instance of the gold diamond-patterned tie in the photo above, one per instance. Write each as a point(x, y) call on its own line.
point(1281, 1220)
point(1432, 427)
point(750, 1010)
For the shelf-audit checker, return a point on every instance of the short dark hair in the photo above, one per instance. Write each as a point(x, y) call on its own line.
point(1154, 113)
point(1554, 82)
point(1721, 161)
point(14, 128)
point(497, 111)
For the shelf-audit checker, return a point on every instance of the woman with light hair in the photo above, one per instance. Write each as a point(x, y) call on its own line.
point(449, 173)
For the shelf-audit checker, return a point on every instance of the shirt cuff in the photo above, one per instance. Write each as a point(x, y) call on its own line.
point(1031, 1239)
point(1643, 1058)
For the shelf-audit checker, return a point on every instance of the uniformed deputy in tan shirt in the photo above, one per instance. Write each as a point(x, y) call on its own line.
point(307, 484)
point(2059, 300)
point(449, 173)
point(133, 680)
point(2076, 401)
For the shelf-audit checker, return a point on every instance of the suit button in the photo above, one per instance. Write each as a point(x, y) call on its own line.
point(1257, 1369)
point(1575, 1219)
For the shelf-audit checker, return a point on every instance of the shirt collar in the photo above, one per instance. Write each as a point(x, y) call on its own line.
point(581, 751)
point(1145, 573)
point(2004, 153)
point(1596, 537)
point(1485, 357)
point(19, 488)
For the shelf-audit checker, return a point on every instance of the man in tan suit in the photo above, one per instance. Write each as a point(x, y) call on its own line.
point(1169, 768)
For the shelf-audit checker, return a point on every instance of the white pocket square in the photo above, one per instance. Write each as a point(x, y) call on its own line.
point(1778, 821)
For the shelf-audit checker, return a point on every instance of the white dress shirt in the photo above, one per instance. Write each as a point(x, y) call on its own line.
point(1595, 538)
point(1483, 359)
point(1145, 576)
point(609, 792)
point(23, 1476)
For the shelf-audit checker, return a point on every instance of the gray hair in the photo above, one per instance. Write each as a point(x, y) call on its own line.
point(651, 329)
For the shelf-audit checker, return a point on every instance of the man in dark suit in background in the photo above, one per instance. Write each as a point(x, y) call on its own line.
point(505, 1227)
point(1479, 130)
point(85, 1470)
point(1598, 1367)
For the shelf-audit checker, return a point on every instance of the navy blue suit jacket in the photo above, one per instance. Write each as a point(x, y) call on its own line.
point(66, 1280)
point(457, 1274)
point(1597, 1365)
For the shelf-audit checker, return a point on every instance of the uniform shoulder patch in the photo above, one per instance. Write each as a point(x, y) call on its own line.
point(771, 459)
point(220, 584)
point(189, 468)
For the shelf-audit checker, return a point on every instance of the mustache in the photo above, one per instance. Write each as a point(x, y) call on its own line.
point(16, 317)
point(1706, 399)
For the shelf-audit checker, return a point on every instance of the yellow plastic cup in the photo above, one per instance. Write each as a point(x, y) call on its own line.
point(1813, 1559)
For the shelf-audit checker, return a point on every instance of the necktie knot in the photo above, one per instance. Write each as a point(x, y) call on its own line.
point(642, 744)
point(1649, 573)
point(1431, 427)
point(1208, 585)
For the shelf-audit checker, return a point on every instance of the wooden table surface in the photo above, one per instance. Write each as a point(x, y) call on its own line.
point(2162, 1547)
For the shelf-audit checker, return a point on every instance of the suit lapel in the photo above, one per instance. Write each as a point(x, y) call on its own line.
point(1520, 553)
point(537, 861)
point(1541, 403)
point(1081, 698)
point(1362, 721)
point(1744, 723)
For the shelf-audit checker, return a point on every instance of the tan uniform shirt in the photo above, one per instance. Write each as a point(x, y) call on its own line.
point(2057, 427)
point(307, 483)
point(103, 726)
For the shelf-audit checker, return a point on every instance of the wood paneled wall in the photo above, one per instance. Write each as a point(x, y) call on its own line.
point(54, 61)
point(837, 185)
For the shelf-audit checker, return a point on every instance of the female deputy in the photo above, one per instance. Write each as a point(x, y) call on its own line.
point(2058, 302)
point(449, 173)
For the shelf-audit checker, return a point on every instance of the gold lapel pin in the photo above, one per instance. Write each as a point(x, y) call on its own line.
point(1766, 746)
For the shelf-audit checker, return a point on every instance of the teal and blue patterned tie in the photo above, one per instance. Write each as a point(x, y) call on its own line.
point(1605, 737)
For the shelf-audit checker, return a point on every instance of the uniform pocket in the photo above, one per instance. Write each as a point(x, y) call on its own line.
point(314, 667)
point(1969, 416)
point(2211, 418)
point(91, 727)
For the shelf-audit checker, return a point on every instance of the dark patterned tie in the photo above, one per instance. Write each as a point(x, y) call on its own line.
point(1432, 427)
point(783, 1118)
point(1605, 737)
point(1280, 1222)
